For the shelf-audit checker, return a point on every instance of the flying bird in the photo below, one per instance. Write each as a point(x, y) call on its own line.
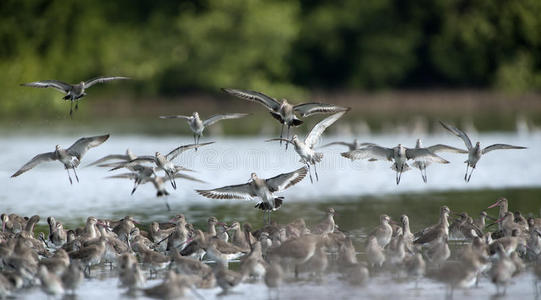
point(475, 152)
point(283, 111)
point(163, 162)
point(197, 125)
point(399, 155)
point(73, 91)
point(305, 148)
point(70, 158)
point(259, 188)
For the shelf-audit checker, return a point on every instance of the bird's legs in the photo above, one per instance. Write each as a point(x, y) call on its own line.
point(466, 175)
point(309, 172)
point(71, 108)
point(423, 173)
point(282, 135)
point(315, 171)
point(75, 172)
point(287, 134)
point(69, 177)
point(135, 184)
point(172, 179)
point(398, 176)
point(469, 177)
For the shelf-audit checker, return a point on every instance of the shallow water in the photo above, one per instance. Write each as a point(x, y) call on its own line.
point(359, 191)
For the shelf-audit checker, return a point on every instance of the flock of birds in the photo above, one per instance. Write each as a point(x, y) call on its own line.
point(264, 189)
point(182, 253)
point(189, 259)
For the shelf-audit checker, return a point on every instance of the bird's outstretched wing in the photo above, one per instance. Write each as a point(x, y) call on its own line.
point(92, 82)
point(43, 157)
point(240, 191)
point(109, 157)
point(308, 109)
point(176, 117)
point(58, 85)
point(283, 181)
point(424, 154)
point(269, 102)
point(372, 152)
point(444, 148)
point(314, 135)
point(188, 177)
point(177, 151)
point(500, 147)
point(81, 146)
point(461, 134)
point(217, 118)
point(125, 175)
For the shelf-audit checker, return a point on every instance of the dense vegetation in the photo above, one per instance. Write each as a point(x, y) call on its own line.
point(283, 47)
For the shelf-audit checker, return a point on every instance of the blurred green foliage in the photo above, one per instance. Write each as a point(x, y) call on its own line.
point(283, 47)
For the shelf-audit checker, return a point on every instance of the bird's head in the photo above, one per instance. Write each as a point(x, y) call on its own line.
point(195, 114)
point(253, 176)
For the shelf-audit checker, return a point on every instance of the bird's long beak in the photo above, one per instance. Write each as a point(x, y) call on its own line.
point(495, 204)
point(497, 221)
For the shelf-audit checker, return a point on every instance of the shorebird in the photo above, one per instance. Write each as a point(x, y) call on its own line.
point(283, 111)
point(475, 152)
point(90, 256)
point(73, 91)
point(157, 181)
point(355, 145)
point(437, 231)
point(306, 149)
point(383, 232)
point(50, 283)
point(421, 163)
point(57, 234)
point(296, 251)
point(274, 275)
point(261, 188)
point(327, 225)
point(165, 162)
point(399, 154)
point(502, 270)
point(72, 277)
point(70, 158)
point(197, 125)
point(374, 252)
point(415, 267)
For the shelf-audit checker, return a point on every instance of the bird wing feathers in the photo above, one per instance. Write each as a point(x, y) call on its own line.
point(307, 109)
point(283, 181)
point(239, 191)
point(81, 146)
point(48, 156)
point(372, 152)
point(316, 132)
point(261, 98)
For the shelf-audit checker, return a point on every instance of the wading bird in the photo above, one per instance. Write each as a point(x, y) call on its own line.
point(261, 188)
point(306, 149)
point(73, 91)
point(283, 111)
point(197, 125)
point(399, 154)
point(70, 158)
point(475, 152)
